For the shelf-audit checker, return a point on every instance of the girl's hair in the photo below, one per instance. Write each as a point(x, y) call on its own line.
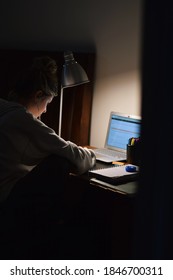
point(42, 75)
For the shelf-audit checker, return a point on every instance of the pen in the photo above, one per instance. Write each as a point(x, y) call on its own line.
point(132, 141)
point(118, 163)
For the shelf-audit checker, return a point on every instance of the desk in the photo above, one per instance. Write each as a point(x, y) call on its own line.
point(102, 218)
point(129, 188)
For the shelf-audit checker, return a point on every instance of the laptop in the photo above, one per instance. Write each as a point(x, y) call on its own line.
point(121, 128)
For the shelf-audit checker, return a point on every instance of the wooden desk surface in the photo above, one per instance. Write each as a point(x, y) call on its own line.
point(129, 188)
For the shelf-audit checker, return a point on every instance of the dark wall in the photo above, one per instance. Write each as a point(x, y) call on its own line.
point(153, 231)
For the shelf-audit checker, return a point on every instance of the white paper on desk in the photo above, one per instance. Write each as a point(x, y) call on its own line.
point(111, 172)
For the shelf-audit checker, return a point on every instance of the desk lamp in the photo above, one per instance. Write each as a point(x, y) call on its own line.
point(72, 75)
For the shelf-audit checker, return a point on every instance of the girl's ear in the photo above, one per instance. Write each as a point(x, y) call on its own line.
point(39, 94)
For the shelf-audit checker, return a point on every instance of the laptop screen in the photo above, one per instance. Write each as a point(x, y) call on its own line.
point(122, 127)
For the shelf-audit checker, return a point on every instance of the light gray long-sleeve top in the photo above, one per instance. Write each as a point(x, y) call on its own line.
point(25, 141)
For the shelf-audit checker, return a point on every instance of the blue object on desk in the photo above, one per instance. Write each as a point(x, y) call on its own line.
point(130, 168)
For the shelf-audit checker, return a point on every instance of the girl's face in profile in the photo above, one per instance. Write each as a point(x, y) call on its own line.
point(42, 105)
point(38, 105)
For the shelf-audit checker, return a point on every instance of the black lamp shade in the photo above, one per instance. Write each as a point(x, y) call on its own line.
point(72, 73)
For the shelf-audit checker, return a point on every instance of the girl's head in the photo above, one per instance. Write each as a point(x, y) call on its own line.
point(37, 86)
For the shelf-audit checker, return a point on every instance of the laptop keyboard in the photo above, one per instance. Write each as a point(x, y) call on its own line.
point(110, 153)
point(109, 156)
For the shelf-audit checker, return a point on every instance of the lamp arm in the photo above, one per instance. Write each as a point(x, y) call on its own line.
point(60, 111)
